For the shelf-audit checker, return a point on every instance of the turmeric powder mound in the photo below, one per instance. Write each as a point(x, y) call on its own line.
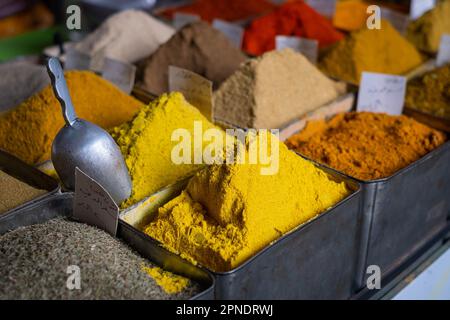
point(146, 144)
point(425, 33)
point(378, 50)
point(366, 145)
point(28, 130)
point(229, 212)
point(169, 282)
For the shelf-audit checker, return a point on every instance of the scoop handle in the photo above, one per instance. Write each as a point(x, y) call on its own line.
point(61, 91)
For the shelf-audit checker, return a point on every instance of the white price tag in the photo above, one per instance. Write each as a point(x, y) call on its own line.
point(326, 8)
point(398, 20)
point(309, 48)
point(77, 60)
point(120, 73)
point(182, 19)
point(443, 56)
point(419, 7)
point(232, 31)
point(196, 89)
point(382, 93)
point(93, 204)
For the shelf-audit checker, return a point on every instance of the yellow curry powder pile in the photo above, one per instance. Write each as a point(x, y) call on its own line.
point(366, 145)
point(229, 212)
point(378, 50)
point(431, 92)
point(169, 282)
point(146, 144)
point(425, 33)
point(27, 131)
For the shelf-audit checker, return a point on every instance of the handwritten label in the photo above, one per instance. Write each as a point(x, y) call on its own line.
point(93, 204)
point(309, 48)
point(326, 8)
point(419, 7)
point(443, 56)
point(76, 60)
point(196, 89)
point(232, 31)
point(182, 19)
point(398, 20)
point(381, 93)
point(120, 73)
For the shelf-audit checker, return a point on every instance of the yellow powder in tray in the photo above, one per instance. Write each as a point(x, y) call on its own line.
point(146, 144)
point(28, 130)
point(378, 50)
point(425, 33)
point(171, 283)
point(229, 212)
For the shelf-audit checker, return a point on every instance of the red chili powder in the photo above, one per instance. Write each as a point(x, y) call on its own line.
point(229, 10)
point(294, 18)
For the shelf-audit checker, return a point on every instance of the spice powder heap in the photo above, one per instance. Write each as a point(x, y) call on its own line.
point(127, 29)
point(196, 47)
point(229, 10)
point(28, 130)
point(273, 90)
point(291, 19)
point(229, 212)
point(15, 192)
point(146, 144)
point(35, 260)
point(431, 92)
point(351, 15)
point(425, 33)
point(364, 145)
point(379, 50)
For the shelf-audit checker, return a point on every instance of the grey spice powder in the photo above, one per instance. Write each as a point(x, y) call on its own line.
point(34, 263)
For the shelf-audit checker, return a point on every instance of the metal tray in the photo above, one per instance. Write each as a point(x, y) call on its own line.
point(403, 213)
point(57, 205)
point(28, 174)
point(317, 260)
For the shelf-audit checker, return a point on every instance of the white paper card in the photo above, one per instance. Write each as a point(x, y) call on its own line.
point(120, 73)
point(196, 89)
point(443, 56)
point(76, 60)
point(309, 48)
point(419, 7)
point(232, 31)
point(93, 204)
point(182, 19)
point(382, 93)
point(398, 20)
point(326, 8)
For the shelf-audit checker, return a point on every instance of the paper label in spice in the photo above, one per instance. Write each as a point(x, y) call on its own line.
point(181, 19)
point(326, 8)
point(443, 56)
point(419, 7)
point(120, 73)
point(93, 204)
point(382, 93)
point(196, 89)
point(232, 31)
point(76, 60)
point(398, 20)
point(309, 48)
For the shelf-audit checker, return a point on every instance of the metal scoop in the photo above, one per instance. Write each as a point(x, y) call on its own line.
point(86, 146)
